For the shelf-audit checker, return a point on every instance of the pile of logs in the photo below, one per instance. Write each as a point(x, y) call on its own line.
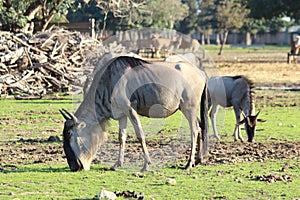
point(47, 62)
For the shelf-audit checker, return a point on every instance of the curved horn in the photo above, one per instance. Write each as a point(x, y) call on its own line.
point(71, 115)
point(64, 115)
point(257, 114)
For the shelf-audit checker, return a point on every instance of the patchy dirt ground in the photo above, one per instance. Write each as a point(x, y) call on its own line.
point(264, 74)
point(167, 152)
point(264, 68)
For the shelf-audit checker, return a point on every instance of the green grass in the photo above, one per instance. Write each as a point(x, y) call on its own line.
point(41, 118)
point(32, 118)
point(282, 124)
point(224, 181)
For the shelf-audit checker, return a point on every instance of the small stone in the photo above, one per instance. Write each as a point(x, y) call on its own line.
point(139, 175)
point(171, 181)
point(104, 194)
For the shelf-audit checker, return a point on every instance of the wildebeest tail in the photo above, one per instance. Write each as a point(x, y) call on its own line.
point(204, 120)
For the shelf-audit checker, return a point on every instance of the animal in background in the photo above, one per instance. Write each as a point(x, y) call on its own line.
point(235, 91)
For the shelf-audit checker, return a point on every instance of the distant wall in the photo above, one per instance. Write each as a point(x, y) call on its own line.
point(280, 38)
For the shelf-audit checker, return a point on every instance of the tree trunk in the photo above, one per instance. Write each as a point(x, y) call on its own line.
point(33, 9)
point(223, 42)
point(248, 38)
point(207, 39)
point(46, 22)
point(47, 18)
point(218, 39)
point(202, 39)
point(30, 13)
point(104, 24)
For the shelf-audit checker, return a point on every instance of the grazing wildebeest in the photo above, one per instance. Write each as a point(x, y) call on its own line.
point(236, 91)
point(127, 86)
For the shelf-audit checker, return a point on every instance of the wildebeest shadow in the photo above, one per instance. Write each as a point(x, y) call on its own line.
point(85, 198)
point(62, 101)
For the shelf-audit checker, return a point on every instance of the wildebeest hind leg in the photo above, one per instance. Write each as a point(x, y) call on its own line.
point(133, 116)
point(122, 140)
point(194, 128)
point(213, 118)
point(199, 158)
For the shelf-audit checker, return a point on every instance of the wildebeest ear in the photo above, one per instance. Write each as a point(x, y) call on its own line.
point(261, 120)
point(81, 125)
point(64, 115)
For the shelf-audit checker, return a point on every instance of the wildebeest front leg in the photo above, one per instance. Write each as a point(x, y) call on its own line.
point(122, 140)
point(237, 129)
point(141, 137)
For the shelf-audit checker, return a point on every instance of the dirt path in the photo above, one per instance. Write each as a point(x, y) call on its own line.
point(25, 152)
point(264, 73)
point(264, 68)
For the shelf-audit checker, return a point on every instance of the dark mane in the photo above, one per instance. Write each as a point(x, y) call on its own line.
point(251, 91)
point(101, 88)
point(131, 61)
point(118, 65)
point(250, 83)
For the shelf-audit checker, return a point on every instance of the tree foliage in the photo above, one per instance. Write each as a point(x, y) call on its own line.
point(222, 17)
point(231, 16)
point(270, 9)
point(165, 13)
point(126, 11)
point(207, 19)
point(84, 11)
point(190, 23)
point(29, 15)
point(126, 14)
point(187, 16)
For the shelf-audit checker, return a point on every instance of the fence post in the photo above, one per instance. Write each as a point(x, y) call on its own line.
point(92, 27)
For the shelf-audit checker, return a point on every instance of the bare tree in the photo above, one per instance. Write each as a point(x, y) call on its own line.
point(120, 9)
point(231, 15)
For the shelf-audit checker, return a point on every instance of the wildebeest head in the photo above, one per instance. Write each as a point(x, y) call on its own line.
point(81, 141)
point(68, 132)
point(250, 125)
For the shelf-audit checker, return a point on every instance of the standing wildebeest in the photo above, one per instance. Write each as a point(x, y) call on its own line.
point(127, 86)
point(186, 57)
point(236, 91)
